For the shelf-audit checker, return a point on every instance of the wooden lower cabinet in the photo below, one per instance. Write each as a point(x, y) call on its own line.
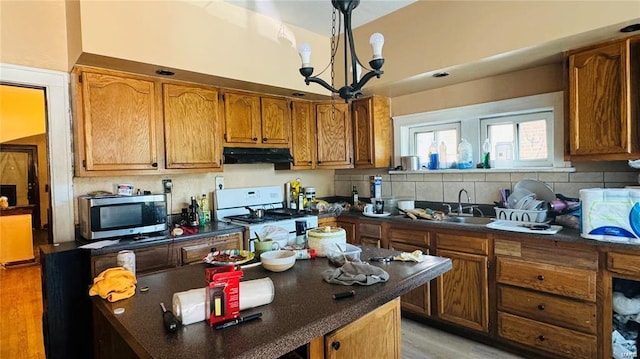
point(375, 335)
point(463, 292)
point(549, 338)
point(148, 259)
point(369, 234)
point(547, 302)
point(400, 239)
point(349, 226)
point(163, 256)
point(190, 252)
point(328, 221)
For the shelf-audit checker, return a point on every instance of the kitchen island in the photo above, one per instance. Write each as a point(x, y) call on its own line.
point(302, 312)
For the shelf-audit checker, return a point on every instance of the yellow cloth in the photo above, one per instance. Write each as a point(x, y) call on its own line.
point(114, 284)
point(415, 256)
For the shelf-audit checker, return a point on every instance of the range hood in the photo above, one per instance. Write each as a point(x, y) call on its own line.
point(256, 155)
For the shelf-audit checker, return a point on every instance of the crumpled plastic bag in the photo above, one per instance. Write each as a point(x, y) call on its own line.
point(274, 233)
point(415, 256)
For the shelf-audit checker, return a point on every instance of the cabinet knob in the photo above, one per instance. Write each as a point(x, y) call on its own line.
point(155, 164)
point(541, 338)
point(264, 139)
point(310, 162)
point(540, 277)
point(540, 306)
point(335, 345)
point(255, 139)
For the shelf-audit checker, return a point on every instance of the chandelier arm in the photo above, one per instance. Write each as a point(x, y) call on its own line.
point(321, 82)
point(368, 76)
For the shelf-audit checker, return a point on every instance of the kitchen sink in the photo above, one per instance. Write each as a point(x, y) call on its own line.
point(468, 220)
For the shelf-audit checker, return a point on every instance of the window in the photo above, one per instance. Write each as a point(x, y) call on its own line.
point(524, 132)
point(519, 140)
point(444, 136)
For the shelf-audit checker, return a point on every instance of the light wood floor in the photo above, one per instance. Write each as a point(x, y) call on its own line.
point(21, 326)
point(423, 342)
point(21, 313)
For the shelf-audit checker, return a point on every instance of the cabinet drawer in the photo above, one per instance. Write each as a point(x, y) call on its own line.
point(147, 260)
point(565, 281)
point(193, 252)
point(460, 243)
point(546, 308)
point(623, 263)
point(564, 342)
point(420, 238)
point(370, 230)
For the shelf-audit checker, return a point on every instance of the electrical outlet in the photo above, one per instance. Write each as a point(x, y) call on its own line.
point(167, 185)
point(219, 182)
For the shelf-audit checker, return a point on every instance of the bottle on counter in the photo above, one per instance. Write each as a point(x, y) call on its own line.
point(465, 155)
point(433, 156)
point(443, 155)
point(300, 204)
point(194, 217)
point(205, 211)
point(486, 154)
point(354, 194)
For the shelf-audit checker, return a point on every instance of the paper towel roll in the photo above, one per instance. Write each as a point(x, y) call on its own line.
point(189, 306)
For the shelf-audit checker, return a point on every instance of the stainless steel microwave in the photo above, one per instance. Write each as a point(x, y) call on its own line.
point(117, 216)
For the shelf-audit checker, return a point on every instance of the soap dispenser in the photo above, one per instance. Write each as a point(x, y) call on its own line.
point(433, 156)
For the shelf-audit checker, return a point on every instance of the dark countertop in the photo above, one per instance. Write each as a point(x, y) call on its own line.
point(208, 230)
point(302, 310)
point(566, 235)
point(12, 211)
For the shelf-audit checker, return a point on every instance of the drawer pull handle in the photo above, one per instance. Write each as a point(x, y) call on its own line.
point(541, 338)
point(540, 277)
point(541, 306)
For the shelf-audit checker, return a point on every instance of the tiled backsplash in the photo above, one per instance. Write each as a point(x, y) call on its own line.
point(483, 187)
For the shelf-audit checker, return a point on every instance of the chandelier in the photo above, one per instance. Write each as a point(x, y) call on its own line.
point(353, 90)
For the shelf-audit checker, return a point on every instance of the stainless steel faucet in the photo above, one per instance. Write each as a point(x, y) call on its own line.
point(460, 210)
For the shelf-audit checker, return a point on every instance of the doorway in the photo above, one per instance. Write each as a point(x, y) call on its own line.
point(19, 178)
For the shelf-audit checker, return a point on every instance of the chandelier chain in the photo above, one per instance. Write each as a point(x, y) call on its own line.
point(334, 15)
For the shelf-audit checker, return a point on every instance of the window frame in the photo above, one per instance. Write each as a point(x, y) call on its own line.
point(518, 118)
point(469, 118)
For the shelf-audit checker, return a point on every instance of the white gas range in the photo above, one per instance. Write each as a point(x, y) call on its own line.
point(230, 206)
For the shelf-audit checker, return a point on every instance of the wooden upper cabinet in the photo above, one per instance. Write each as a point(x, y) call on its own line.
point(372, 133)
point(333, 123)
point(242, 118)
point(603, 101)
point(276, 121)
point(303, 135)
point(192, 127)
point(117, 123)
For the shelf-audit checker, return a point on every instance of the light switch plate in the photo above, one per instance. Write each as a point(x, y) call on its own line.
point(219, 182)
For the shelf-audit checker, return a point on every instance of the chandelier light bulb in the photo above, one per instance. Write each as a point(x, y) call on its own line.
point(377, 41)
point(305, 54)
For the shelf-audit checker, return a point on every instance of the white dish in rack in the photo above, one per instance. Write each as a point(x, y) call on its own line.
point(385, 214)
point(523, 227)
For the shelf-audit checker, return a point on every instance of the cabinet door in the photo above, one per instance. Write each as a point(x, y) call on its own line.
point(334, 135)
point(303, 138)
point(372, 135)
point(350, 228)
point(192, 127)
point(599, 114)
point(119, 128)
point(242, 118)
point(194, 251)
point(375, 335)
point(148, 259)
point(276, 121)
point(417, 300)
point(463, 292)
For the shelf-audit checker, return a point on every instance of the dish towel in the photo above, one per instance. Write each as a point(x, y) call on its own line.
point(415, 256)
point(355, 273)
point(114, 284)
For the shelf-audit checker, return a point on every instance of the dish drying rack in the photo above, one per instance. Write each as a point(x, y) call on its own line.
point(521, 215)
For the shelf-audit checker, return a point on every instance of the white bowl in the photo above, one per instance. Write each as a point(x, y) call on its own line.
point(278, 261)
